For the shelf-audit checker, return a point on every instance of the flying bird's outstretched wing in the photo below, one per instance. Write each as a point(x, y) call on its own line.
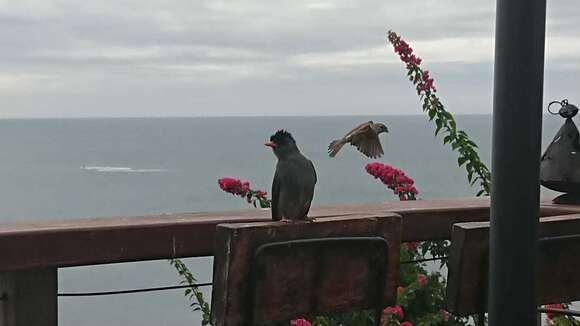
point(336, 145)
point(363, 137)
point(369, 144)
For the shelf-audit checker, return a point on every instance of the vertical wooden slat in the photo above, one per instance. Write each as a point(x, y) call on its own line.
point(29, 298)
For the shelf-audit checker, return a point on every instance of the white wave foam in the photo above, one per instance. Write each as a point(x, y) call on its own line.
point(120, 169)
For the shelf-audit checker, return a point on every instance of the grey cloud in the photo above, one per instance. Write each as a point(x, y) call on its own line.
point(276, 57)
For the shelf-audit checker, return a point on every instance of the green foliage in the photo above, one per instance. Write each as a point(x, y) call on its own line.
point(195, 296)
point(563, 320)
point(437, 249)
point(357, 318)
point(422, 303)
point(445, 124)
point(477, 171)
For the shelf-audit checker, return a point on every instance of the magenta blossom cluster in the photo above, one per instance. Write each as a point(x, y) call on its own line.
point(395, 179)
point(422, 79)
point(397, 311)
point(403, 49)
point(241, 188)
point(392, 315)
point(300, 322)
point(427, 84)
point(234, 186)
point(551, 316)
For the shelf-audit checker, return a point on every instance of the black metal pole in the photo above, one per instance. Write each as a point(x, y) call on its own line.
point(517, 122)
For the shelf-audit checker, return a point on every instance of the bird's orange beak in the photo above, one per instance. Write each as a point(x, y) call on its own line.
point(271, 144)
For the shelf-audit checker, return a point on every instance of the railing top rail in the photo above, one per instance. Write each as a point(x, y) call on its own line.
point(121, 239)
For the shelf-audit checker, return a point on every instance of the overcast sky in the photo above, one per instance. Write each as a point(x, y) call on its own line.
point(71, 58)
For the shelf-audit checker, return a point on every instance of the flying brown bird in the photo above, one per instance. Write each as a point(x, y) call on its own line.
point(294, 180)
point(364, 137)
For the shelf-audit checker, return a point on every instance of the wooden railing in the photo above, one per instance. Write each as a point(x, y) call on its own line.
point(557, 264)
point(31, 252)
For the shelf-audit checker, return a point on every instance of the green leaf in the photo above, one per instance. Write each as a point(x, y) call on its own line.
point(474, 180)
point(452, 124)
point(471, 143)
point(431, 114)
point(439, 124)
point(461, 160)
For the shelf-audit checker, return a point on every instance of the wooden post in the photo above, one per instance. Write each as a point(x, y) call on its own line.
point(556, 275)
point(29, 297)
point(339, 279)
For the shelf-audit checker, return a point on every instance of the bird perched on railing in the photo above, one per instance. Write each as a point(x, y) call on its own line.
point(364, 137)
point(294, 180)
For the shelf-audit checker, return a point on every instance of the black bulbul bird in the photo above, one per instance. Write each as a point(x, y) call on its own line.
point(294, 180)
point(364, 137)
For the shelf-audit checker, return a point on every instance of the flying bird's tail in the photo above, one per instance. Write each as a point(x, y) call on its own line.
point(335, 146)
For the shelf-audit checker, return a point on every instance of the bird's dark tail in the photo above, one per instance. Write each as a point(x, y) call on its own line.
point(335, 146)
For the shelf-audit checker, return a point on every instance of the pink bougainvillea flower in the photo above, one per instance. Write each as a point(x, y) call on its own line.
point(444, 315)
point(415, 60)
point(245, 186)
point(396, 310)
point(233, 185)
point(412, 245)
point(422, 79)
point(401, 290)
point(403, 178)
point(395, 179)
point(412, 189)
point(300, 322)
point(422, 279)
point(406, 323)
point(399, 312)
point(243, 189)
point(551, 316)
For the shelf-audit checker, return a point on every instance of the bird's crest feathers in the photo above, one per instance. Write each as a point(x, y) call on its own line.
point(282, 136)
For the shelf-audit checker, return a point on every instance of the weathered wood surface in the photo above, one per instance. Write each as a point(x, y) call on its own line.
point(558, 264)
point(298, 278)
point(29, 298)
point(123, 239)
point(236, 246)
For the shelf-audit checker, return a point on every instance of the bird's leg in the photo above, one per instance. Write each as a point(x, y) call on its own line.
point(285, 220)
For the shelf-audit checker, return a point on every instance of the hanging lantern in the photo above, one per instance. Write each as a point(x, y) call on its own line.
point(560, 164)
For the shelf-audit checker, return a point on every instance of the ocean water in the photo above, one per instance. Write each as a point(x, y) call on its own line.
point(74, 168)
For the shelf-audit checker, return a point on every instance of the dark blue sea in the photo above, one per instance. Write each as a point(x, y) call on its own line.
point(74, 168)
